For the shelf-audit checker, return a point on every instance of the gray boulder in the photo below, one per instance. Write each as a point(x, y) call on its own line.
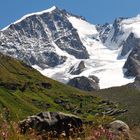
point(85, 83)
point(120, 130)
point(51, 121)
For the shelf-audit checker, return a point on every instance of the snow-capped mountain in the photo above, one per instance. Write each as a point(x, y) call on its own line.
point(42, 39)
point(63, 46)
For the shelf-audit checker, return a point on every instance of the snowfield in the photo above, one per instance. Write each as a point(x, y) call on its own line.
point(132, 25)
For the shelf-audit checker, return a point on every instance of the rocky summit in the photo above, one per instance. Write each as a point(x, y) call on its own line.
point(38, 38)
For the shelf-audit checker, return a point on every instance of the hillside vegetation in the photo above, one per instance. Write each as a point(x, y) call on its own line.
point(24, 91)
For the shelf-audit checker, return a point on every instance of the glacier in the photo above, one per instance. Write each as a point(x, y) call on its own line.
point(103, 62)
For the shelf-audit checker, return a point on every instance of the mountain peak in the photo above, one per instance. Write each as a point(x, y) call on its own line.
point(31, 14)
point(46, 11)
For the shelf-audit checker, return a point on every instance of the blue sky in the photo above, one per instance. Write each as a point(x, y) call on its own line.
point(95, 11)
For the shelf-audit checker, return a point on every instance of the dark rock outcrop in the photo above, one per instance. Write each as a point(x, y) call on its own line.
point(88, 84)
point(51, 121)
point(114, 112)
point(45, 85)
point(117, 29)
point(132, 65)
point(94, 78)
point(135, 84)
point(129, 44)
point(23, 86)
point(80, 68)
point(111, 32)
point(104, 31)
point(11, 86)
point(60, 101)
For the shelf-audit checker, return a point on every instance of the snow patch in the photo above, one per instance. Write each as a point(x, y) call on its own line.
point(132, 25)
point(84, 28)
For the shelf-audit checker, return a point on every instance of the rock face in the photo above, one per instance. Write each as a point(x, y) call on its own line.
point(104, 31)
point(80, 68)
point(120, 130)
point(84, 83)
point(136, 83)
point(117, 29)
point(112, 34)
point(132, 64)
point(128, 45)
point(51, 121)
point(38, 39)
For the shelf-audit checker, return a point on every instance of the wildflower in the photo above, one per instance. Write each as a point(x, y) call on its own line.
point(4, 134)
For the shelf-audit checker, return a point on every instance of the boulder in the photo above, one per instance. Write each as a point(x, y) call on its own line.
point(120, 130)
point(44, 85)
point(94, 78)
point(51, 121)
point(60, 101)
point(85, 83)
point(80, 68)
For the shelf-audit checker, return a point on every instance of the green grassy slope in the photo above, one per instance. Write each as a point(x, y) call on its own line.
point(24, 91)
